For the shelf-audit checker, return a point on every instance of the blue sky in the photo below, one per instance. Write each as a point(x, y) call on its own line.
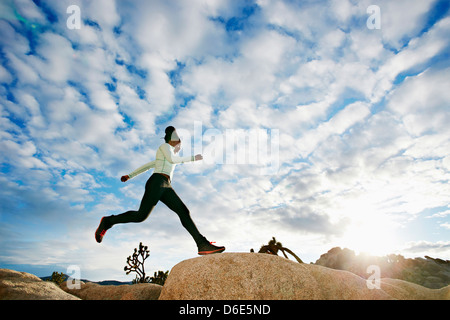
point(362, 116)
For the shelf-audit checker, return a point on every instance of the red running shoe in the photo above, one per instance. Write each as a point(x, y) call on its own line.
point(101, 230)
point(209, 248)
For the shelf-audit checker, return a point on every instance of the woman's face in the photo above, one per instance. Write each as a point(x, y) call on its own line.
point(175, 143)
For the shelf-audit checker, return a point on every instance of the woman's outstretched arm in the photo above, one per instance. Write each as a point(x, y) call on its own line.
point(138, 171)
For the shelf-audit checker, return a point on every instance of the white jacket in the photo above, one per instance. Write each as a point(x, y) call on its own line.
point(166, 161)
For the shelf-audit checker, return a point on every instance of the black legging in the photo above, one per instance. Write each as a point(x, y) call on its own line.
point(157, 188)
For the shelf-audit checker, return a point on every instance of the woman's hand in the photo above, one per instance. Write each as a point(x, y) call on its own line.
point(198, 157)
point(124, 178)
point(177, 148)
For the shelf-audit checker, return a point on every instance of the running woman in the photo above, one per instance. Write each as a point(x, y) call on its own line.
point(158, 187)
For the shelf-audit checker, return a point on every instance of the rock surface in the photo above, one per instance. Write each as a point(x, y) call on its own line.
point(431, 273)
point(16, 285)
point(404, 290)
point(250, 276)
point(233, 276)
point(93, 291)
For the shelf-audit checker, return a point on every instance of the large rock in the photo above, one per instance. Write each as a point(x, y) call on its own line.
point(16, 285)
point(253, 276)
point(404, 290)
point(430, 272)
point(93, 291)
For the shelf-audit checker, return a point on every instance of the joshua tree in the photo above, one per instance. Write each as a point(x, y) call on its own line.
point(136, 265)
point(273, 247)
point(58, 278)
point(159, 278)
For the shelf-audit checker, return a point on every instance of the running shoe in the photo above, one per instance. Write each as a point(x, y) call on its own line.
point(209, 248)
point(101, 230)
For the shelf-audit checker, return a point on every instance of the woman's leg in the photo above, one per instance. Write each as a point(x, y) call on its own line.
point(153, 191)
point(154, 188)
point(173, 202)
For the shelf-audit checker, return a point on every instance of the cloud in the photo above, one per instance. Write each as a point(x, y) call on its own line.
point(440, 248)
point(178, 29)
point(338, 124)
point(25, 73)
point(56, 64)
point(413, 58)
point(5, 76)
point(29, 11)
point(440, 214)
point(422, 102)
point(403, 19)
point(248, 76)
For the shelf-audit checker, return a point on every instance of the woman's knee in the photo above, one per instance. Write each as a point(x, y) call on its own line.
point(141, 216)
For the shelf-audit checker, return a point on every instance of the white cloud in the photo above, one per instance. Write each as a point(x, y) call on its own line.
point(104, 12)
point(440, 214)
point(338, 124)
point(305, 18)
point(418, 51)
point(29, 11)
point(195, 111)
point(5, 76)
point(161, 94)
point(433, 249)
point(402, 19)
point(57, 64)
point(176, 30)
point(422, 102)
point(22, 154)
point(251, 75)
point(24, 72)
point(137, 109)
point(343, 10)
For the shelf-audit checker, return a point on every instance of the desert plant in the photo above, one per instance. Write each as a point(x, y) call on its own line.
point(159, 278)
point(135, 263)
point(58, 277)
point(274, 246)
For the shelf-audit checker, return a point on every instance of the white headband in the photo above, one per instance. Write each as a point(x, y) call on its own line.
point(174, 136)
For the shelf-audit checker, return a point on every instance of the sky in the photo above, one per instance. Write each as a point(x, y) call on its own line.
point(348, 102)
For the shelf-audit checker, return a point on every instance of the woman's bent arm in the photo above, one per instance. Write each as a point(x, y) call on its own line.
point(171, 157)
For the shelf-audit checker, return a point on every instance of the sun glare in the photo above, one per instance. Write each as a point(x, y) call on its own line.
point(373, 235)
